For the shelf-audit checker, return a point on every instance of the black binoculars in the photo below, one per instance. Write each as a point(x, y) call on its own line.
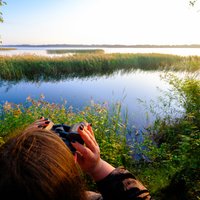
point(69, 133)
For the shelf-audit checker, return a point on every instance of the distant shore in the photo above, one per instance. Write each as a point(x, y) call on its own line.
point(103, 46)
point(6, 48)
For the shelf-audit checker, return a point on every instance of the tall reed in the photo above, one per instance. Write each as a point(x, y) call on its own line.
point(64, 51)
point(6, 48)
point(32, 67)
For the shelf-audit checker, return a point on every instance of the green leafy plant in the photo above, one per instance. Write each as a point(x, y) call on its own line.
point(171, 145)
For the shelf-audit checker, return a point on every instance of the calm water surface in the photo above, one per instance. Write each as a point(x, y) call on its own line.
point(42, 51)
point(120, 87)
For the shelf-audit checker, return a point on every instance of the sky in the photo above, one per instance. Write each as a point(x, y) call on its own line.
point(126, 22)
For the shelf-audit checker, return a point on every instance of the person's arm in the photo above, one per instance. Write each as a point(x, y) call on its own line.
point(113, 183)
point(121, 184)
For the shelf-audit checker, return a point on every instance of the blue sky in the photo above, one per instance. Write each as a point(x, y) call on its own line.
point(100, 22)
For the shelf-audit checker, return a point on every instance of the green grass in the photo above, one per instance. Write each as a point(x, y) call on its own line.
point(30, 67)
point(64, 51)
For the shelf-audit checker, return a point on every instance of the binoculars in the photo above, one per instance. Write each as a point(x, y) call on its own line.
point(68, 133)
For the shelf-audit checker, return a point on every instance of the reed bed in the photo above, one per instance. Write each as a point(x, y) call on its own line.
point(81, 65)
point(6, 49)
point(64, 51)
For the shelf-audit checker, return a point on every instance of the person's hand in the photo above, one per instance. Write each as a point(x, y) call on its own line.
point(88, 155)
point(40, 123)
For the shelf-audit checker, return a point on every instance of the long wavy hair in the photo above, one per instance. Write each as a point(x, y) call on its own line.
point(38, 165)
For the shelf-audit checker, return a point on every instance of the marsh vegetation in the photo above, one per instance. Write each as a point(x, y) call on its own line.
point(29, 66)
point(7, 48)
point(75, 51)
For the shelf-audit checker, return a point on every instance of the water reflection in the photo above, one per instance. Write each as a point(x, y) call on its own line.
point(79, 91)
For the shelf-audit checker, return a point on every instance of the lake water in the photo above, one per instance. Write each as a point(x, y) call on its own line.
point(126, 88)
point(119, 87)
point(42, 51)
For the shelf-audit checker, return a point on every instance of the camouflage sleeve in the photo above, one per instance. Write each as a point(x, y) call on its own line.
point(122, 185)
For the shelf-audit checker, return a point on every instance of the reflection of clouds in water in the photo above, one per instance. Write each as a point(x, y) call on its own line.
point(126, 88)
point(7, 85)
point(31, 52)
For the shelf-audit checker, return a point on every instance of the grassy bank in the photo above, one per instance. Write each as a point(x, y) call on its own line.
point(37, 67)
point(172, 144)
point(169, 154)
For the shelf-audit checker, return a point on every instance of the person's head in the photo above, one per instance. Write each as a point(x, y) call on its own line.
point(37, 165)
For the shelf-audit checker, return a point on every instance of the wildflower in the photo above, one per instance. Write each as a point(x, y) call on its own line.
point(7, 106)
point(87, 108)
point(82, 113)
point(17, 112)
point(92, 103)
point(70, 109)
point(29, 98)
point(42, 96)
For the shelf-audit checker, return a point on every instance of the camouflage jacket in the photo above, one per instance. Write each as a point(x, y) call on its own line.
point(120, 185)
